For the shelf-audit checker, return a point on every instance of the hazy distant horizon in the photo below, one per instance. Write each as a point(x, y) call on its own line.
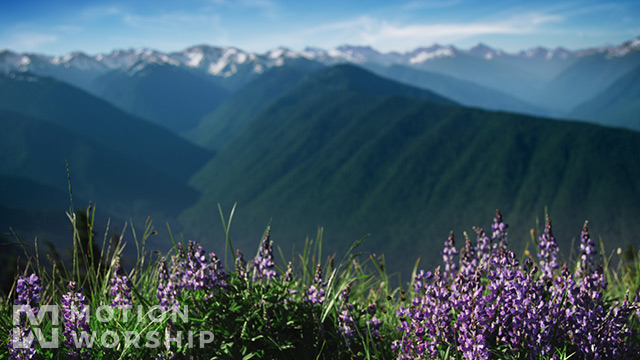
point(93, 27)
point(325, 49)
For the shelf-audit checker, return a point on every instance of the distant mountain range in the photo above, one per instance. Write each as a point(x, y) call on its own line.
point(404, 147)
point(539, 81)
point(362, 155)
point(620, 102)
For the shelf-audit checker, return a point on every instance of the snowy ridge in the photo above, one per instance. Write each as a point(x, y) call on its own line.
point(625, 48)
point(434, 52)
point(228, 61)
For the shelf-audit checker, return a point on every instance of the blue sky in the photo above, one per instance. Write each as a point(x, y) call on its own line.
point(58, 27)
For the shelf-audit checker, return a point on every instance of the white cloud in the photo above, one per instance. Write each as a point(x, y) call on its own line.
point(388, 36)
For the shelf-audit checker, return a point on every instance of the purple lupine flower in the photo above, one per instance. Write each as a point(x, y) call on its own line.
point(121, 288)
point(167, 294)
point(316, 292)
point(499, 232)
point(161, 357)
point(516, 313)
point(612, 337)
point(288, 275)
point(196, 276)
point(241, 265)
point(427, 323)
point(588, 316)
point(346, 325)
point(217, 274)
point(588, 251)
point(177, 268)
point(421, 281)
point(636, 301)
point(194, 270)
point(373, 324)
point(509, 307)
point(483, 247)
point(263, 263)
point(201, 272)
point(553, 315)
point(20, 335)
point(74, 320)
point(167, 290)
point(548, 253)
point(471, 319)
point(448, 257)
point(28, 291)
point(468, 260)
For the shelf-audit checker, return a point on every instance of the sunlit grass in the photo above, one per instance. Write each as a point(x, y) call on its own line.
point(266, 308)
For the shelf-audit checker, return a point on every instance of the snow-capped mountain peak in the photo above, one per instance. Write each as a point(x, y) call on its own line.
point(194, 57)
point(560, 53)
point(483, 51)
point(127, 58)
point(624, 48)
point(435, 51)
point(10, 61)
point(544, 54)
point(354, 54)
point(228, 61)
point(78, 61)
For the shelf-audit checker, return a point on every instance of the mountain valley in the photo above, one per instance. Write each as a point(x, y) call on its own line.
point(402, 147)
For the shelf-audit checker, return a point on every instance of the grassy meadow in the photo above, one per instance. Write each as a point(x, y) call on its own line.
point(482, 302)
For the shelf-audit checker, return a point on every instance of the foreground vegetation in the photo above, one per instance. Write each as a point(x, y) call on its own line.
point(483, 302)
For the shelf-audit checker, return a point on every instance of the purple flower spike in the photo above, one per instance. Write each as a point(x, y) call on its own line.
point(588, 251)
point(316, 292)
point(192, 270)
point(548, 253)
point(499, 232)
point(199, 272)
point(504, 306)
point(374, 324)
point(288, 275)
point(484, 247)
point(18, 335)
point(28, 291)
point(168, 291)
point(120, 288)
point(468, 260)
point(217, 274)
point(241, 265)
point(263, 263)
point(74, 319)
point(346, 325)
point(196, 269)
point(448, 257)
point(421, 281)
